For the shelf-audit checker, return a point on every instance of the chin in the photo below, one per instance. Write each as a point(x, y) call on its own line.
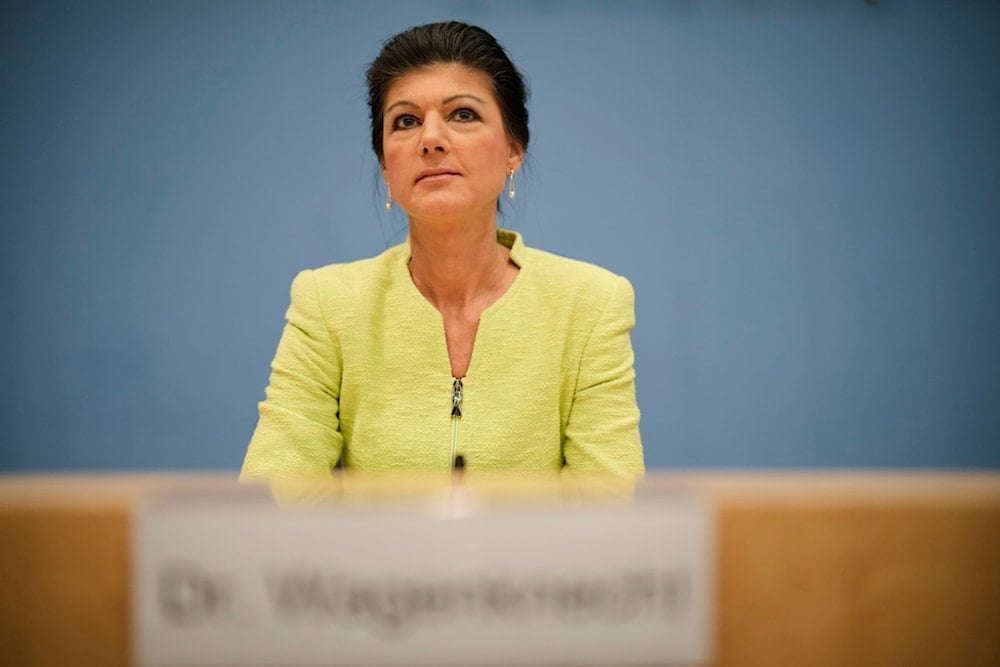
point(442, 209)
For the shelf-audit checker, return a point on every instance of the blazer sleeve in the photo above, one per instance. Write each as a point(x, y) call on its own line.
point(602, 432)
point(298, 428)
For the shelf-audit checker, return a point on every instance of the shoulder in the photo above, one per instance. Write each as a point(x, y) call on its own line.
point(577, 283)
point(571, 295)
point(573, 271)
point(349, 280)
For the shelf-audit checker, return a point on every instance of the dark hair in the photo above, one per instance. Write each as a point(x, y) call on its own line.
point(449, 42)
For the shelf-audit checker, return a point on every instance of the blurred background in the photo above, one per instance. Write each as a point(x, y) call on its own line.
point(805, 195)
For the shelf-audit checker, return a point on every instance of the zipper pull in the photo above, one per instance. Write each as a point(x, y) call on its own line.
point(456, 398)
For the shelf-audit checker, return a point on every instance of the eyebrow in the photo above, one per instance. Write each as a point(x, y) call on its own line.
point(447, 100)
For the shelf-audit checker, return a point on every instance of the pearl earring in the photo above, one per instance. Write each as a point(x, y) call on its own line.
point(388, 198)
point(511, 192)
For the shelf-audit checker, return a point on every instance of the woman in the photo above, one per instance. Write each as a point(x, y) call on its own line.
point(462, 343)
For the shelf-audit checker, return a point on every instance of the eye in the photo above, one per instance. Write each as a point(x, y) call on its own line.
point(404, 122)
point(464, 115)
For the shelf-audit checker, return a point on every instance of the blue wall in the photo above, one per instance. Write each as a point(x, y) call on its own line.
point(806, 196)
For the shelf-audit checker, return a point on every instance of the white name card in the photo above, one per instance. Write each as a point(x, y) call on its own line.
point(246, 583)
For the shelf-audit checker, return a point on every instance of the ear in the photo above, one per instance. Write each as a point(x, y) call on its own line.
point(515, 158)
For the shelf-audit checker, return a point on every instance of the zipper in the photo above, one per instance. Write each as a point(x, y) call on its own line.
point(456, 417)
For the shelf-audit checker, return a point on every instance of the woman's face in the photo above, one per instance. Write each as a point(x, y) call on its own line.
point(446, 153)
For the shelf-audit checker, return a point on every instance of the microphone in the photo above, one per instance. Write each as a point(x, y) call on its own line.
point(459, 503)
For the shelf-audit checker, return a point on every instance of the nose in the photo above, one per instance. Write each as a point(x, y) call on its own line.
point(433, 135)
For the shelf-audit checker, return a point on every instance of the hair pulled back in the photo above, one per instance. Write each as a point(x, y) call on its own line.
point(448, 42)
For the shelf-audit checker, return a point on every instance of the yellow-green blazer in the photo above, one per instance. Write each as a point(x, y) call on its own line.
point(362, 372)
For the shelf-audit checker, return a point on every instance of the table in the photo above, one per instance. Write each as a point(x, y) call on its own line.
point(813, 568)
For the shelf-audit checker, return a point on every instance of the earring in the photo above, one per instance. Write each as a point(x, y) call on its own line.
point(511, 192)
point(388, 198)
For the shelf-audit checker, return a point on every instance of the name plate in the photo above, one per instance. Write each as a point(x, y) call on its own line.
point(239, 583)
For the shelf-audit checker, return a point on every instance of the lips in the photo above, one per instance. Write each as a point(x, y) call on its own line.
point(435, 174)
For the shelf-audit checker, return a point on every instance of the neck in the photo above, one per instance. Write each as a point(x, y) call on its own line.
point(458, 267)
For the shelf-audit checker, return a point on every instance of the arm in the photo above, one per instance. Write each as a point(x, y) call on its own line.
point(298, 430)
point(602, 432)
